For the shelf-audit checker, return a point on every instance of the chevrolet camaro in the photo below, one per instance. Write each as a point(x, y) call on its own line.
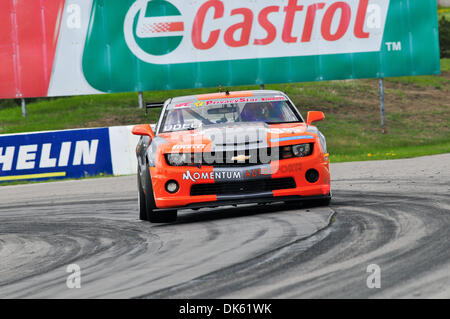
point(229, 148)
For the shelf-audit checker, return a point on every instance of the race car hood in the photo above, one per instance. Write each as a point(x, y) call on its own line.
point(235, 136)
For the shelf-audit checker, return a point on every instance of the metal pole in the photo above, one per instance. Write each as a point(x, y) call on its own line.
point(383, 117)
point(261, 86)
point(24, 108)
point(141, 100)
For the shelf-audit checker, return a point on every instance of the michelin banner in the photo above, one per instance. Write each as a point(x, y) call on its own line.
point(71, 47)
point(67, 154)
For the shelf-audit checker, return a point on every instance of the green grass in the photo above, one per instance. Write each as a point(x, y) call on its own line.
point(21, 182)
point(444, 12)
point(422, 80)
point(438, 82)
point(417, 114)
point(77, 111)
point(382, 153)
point(445, 65)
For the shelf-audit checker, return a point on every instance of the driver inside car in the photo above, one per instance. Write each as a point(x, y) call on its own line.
point(259, 112)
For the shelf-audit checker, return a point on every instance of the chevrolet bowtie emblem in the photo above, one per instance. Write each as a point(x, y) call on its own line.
point(240, 158)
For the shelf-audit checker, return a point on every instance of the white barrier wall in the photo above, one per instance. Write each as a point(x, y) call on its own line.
point(123, 150)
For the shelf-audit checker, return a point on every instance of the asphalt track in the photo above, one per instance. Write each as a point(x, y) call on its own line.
point(395, 214)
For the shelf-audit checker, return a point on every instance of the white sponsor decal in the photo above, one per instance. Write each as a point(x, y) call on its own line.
point(235, 29)
point(194, 177)
point(227, 101)
point(189, 146)
point(185, 126)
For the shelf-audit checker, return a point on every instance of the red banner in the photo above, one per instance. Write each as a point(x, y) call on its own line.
point(28, 37)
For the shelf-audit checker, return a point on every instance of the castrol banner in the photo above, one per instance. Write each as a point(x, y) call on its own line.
point(71, 47)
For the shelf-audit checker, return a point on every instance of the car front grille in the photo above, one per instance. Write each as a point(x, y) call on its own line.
point(243, 187)
point(250, 157)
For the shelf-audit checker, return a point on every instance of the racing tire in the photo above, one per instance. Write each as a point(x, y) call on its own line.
point(152, 216)
point(141, 201)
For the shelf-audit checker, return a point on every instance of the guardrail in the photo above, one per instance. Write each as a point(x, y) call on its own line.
point(67, 154)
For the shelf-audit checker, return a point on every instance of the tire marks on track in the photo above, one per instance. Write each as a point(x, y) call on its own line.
point(120, 256)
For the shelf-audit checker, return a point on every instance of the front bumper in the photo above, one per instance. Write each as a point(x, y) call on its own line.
point(186, 177)
point(240, 200)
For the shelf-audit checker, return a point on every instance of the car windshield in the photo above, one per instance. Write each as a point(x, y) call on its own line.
point(190, 116)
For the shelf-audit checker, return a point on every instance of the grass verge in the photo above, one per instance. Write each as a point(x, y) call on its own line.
point(21, 182)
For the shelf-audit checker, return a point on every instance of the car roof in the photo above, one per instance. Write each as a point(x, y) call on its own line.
point(223, 95)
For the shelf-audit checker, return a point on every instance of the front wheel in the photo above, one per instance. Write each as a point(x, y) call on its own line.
point(141, 201)
point(150, 205)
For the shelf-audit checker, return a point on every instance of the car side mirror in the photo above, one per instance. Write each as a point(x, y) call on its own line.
point(314, 116)
point(144, 129)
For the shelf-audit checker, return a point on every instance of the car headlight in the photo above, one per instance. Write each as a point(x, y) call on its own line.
point(302, 150)
point(178, 159)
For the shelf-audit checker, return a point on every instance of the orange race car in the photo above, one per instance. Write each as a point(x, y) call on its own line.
point(229, 148)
